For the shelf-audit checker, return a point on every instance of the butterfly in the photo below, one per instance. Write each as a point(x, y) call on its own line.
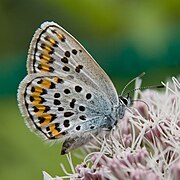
point(66, 95)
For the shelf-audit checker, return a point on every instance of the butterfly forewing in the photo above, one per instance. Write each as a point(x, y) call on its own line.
point(54, 50)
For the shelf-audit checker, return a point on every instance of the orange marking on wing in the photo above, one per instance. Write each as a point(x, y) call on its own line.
point(41, 109)
point(38, 90)
point(44, 63)
point(56, 79)
point(55, 132)
point(45, 123)
point(47, 118)
point(46, 68)
point(46, 83)
point(36, 94)
point(52, 41)
point(60, 36)
point(45, 59)
point(47, 48)
point(52, 127)
point(36, 100)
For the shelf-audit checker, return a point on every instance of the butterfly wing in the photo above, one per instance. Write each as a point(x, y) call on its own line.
point(59, 107)
point(66, 95)
point(54, 50)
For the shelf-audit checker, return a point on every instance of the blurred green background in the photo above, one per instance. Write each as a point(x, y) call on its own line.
point(125, 37)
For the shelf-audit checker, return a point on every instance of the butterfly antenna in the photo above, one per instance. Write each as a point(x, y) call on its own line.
point(141, 75)
point(145, 87)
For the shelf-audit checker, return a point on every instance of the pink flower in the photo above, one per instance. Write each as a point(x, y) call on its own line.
point(144, 145)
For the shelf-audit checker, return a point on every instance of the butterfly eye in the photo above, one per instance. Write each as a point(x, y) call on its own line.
point(124, 100)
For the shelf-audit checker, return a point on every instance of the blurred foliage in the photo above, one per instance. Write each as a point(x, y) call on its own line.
point(125, 37)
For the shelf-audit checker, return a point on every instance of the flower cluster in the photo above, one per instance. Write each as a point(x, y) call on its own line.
point(144, 145)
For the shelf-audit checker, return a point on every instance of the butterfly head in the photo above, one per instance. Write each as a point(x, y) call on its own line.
point(125, 100)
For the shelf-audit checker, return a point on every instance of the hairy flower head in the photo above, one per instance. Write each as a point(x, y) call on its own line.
point(144, 145)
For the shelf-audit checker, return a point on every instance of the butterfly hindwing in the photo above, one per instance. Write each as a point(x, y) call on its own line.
point(58, 107)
